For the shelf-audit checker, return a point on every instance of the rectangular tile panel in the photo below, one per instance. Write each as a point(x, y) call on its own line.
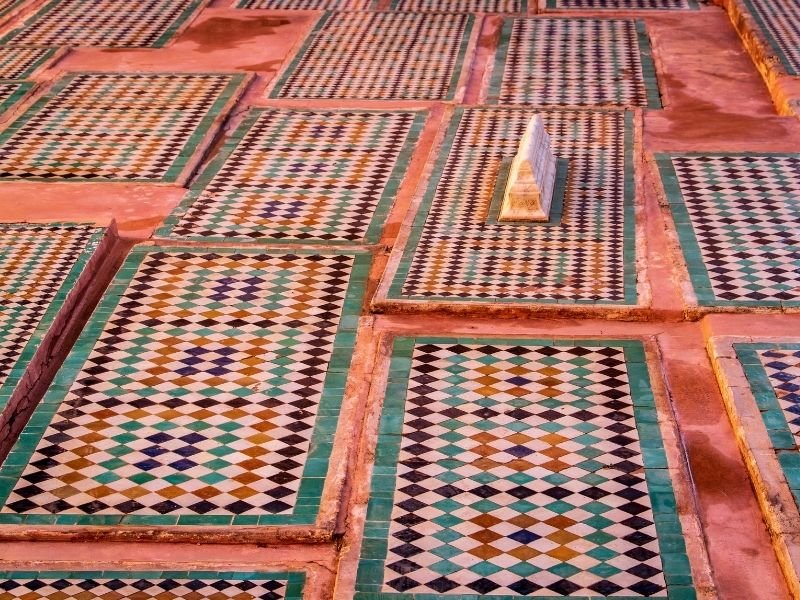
point(512, 468)
point(146, 585)
point(105, 23)
point(455, 6)
point(779, 21)
point(625, 4)
point(574, 62)
point(457, 252)
point(115, 127)
point(379, 56)
point(205, 390)
point(737, 217)
point(39, 265)
point(306, 4)
point(301, 175)
point(19, 63)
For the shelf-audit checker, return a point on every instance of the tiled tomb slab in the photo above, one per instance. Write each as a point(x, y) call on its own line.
point(574, 62)
point(779, 23)
point(379, 56)
point(20, 63)
point(104, 23)
point(457, 6)
point(521, 467)
point(454, 253)
point(760, 380)
point(301, 176)
point(151, 585)
point(130, 127)
point(307, 4)
point(624, 4)
point(204, 391)
point(736, 217)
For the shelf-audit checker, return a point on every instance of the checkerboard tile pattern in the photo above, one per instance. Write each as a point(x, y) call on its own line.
point(454, 253)
point(737, 218)
point(171, 585)
point(302, 175)
point(307, 4)
point(779, 21)
point(379, 56)
point(115, 127)
point(105, 23)
point(19, 63)
point(521, 469)
point(38, 267)
point(625, 4)
point(574, 62)
point(205, 388)
point(457, 6)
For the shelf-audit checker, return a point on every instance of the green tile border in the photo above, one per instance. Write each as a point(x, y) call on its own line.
point(382, 208)
point(766, 33)
point(556, 204)
point(675, 563)
point(295, 580)
point(323, 20)
point(174, 27)
point(690, 247)
point(35, 65)
point(553, 4)
point(21, 364)
point(321, 443)
point(523, 7)
point(179, 164)
point(629, 226)
point(772, 415)
point(24, 87)
point(645, 56)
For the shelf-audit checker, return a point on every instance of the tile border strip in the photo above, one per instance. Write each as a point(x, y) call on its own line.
point(23, 89)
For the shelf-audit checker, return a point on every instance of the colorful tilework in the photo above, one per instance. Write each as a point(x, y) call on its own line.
point(12, 92)
point(106, 23)
point(379, 56)
point(625, 4)
point(737, 218)
point(115, 127)
point(455, 252)
point(205, 390)
point(456, 6)
point(773, 371)
point(521, 468)
point(779, 21)
point(19, 63)
point(38, 267)
point(306, 4)
point(574, 62)
point(6, 6)
point(144, 585)
point(302, 175)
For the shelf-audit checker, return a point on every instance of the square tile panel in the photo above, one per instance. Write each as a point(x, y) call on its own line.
point(456, 6)
point(379, 56)
point(115, 127)
point(574, 62)
point(779, 21)
point(306, 4)
point(205, 390)
point(737, 218)
point(625, 4)
point(302, 175)
point(19, 63)
point(105, 23)
point(39, 265)
point(512, 468)
point(455, 252)
point(144, 585)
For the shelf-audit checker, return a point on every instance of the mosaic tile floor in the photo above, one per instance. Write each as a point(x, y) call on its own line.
point(454, 253)
point(779, 21)
point(574, 62)
point(624, 4)
point(773, 371)
point(737, 219)
point(115, 127)
point(306, 4)
point(19, 63)
point(301, 175)
point(515, 468)
point(106, 23)
point(39, 264)
point(204, 391)
point(379, 56)
point(148, 585)
point(456, 6)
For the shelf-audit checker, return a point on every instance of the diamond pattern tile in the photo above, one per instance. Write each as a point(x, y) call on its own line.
point(737, 217)
point(782, 367)
point(517, 469)
point(306, 4)
point(129, 127)
point(573, 62)
point(457, 6)
point(7, 5)
point(105, 23)
point(379, 56)
point(455, 253)
point(196, 390)
point(12, 92)
point(174, 585)
point(19, 63)
point(38, 266)
point(302, 175)
point(624, 4)
point(779, 21)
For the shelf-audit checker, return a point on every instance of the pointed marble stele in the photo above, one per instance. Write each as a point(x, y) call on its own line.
point(531, 178)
